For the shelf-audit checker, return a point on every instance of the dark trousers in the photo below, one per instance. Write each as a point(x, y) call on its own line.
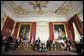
point(7, 47)
point(16, 45)
point(38, 47)
point(1, 45)
point(48, 46)
point(68, 46)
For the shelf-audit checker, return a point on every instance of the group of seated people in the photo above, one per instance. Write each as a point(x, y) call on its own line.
point(37, 46)
point(49, 44)
point(8, 41)
point(5, 42)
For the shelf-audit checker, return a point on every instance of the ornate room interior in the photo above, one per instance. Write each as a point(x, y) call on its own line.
point(54, 20)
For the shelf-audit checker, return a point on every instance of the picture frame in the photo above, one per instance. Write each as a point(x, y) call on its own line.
point(24, 31)
point(60, 29)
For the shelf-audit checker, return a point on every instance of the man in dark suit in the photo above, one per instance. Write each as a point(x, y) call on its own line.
point(18, 41)
point(80, 47)
point(10, 39)
point(49, 42)
point(38, 43)
point(68, 43)
point(3, 40)
point(7, 46)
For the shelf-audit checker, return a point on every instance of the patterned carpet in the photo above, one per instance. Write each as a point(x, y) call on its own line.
point(38, 53)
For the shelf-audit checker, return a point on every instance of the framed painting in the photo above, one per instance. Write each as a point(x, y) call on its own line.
point(24, 31)
point(59, 31)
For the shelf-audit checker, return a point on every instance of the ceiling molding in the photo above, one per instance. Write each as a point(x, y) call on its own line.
point(73, 7)
point(6, 9)
point(60, 6)
point(48, 12)
point(73, 12)
point(65, 8)
point(18, 9)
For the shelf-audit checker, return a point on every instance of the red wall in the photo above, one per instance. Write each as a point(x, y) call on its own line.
point(33, 28)
point(51, 30)
point(9, 23)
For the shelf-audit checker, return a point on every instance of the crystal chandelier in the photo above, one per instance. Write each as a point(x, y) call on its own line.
point(38, 4)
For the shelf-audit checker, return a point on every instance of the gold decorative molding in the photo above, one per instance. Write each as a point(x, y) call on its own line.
point(3, 18)
point(13, 28)
point(38, 4)
point(40, 12)
point(18, 30)
point(18, 9)
point(65, 9)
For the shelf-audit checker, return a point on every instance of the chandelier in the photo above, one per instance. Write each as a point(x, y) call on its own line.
point(38, 4)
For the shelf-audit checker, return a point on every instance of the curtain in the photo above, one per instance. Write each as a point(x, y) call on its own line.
point(7, 28)
point(70, 25)
point(77, 35)
point(78, 24)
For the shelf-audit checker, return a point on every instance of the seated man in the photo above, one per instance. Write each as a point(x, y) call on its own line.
point(49, 42)
point(61, 46)
point(10, 38)
point(7, 46)
point(68, 44)
point(18, 41)
point(3, 40)
point(80, 47)
point(38, 43)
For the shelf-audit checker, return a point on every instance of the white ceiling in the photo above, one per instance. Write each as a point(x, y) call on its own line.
point(29, 11)
point(51, 5)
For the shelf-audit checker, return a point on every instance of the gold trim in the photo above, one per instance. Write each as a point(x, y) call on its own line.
point(13, 28)
point(5, 17)
point(65, 9)
point(29, 32)
point(17, 9)
point(60, 24)
point(18, 30)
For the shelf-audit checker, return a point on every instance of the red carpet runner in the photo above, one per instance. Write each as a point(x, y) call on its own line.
point(39, 53)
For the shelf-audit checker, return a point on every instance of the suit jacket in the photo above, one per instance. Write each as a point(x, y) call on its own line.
point(69, 42)
point(10, 39)
point(49, 42)
point(37, 41)
point(81, 41)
